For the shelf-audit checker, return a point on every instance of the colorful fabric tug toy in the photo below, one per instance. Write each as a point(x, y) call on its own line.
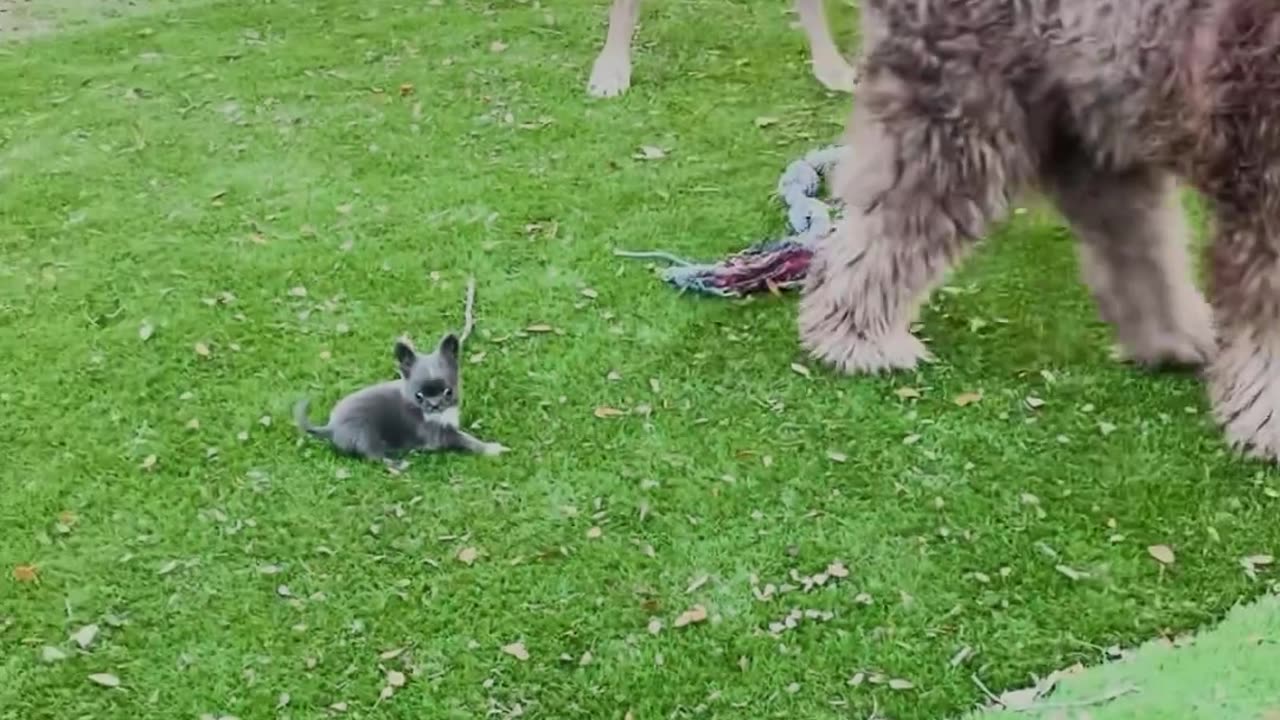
point(772, 265)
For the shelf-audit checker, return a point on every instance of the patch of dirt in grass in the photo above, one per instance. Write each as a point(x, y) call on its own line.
point(21, 19)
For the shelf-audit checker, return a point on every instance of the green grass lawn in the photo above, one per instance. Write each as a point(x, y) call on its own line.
point(196, 171)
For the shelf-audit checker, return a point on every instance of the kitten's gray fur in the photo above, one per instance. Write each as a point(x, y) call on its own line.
point(417, 411)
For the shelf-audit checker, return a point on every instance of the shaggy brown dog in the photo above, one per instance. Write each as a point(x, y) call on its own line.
point(1100, 104)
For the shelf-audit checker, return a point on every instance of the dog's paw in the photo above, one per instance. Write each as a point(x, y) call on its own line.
point(492, 449)
point(835, 74)
point(1244, 390)
point(854, 355)
point(610, 76)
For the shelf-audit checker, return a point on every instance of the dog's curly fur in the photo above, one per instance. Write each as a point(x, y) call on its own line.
point(1100, 104)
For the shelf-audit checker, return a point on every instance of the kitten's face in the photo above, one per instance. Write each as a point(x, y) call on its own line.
point(430, 382)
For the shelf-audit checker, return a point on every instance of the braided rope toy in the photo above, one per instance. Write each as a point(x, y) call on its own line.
point(770, 265)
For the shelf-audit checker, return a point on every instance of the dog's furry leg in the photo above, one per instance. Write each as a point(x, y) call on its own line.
point(1133, 256)
point(611, 73)
point(921, 184)
point(829, 66)
point(1244, 377)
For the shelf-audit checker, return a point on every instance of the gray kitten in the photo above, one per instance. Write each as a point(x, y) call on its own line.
point(418, 411)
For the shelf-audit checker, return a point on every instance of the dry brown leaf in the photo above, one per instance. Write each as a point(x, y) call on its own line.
point(149, 462)
point(406, 89)
point(468, 555)
point(605, 412)
point(517, 651)
point(907, 393)
point(26, 573)
point(298, 291)
point(50, 654)
point(145, 331)
point(837, 570)
point(655, 626)
point(395, 679)
point(589, 293)
point(901, 684)
point(692, 616)
point(836, 456)
point(539, 328)
point(1034, 402)
point(1162, 553)
point(202, 349)
point(799, 369)
point(497, 46)
point(1259, 560)
point(765, 121)
point(968, 398)
point(594, 533)
point(106, 680)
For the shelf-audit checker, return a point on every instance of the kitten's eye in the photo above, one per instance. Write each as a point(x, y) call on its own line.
point(448, 392)
point(420, 396)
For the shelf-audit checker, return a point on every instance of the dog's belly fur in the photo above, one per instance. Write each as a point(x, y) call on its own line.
point(1126, 82)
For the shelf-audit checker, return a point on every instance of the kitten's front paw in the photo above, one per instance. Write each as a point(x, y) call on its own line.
point(494, 448)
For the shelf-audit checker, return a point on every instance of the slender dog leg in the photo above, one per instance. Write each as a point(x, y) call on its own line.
point(829, 66)
point(611, 73)
point(921, 184)
point(1133, 256)
point(456, 439)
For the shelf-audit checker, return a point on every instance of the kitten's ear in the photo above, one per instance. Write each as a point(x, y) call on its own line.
point(449, 346)
point(405, 357)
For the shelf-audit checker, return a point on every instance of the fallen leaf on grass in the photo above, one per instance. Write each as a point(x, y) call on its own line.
point(395, 679)
point(145, 331)
point(594, 533)
point(406, 89)
point(835, 456)
point(106, 680)
point(907, 393)
point(298, 291)
point(801, 370)
point(968, 398)
point(1162, 553)
point(26, 573)
point(517, 651)
point(1259, 560)
point(589, 293)
point(84, 636)
point(1072, 572)
point(837, 570)
point(765, 121)
point(468, 555)
point(497, 46)
point(50, 654)
point(149, 462)
point(650, 152)
point(202, 349)
point(901, 684)
point(692, 616)
point(604, 412)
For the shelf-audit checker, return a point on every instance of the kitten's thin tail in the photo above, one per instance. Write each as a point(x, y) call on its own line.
point(304, 424)
point(468, 311)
